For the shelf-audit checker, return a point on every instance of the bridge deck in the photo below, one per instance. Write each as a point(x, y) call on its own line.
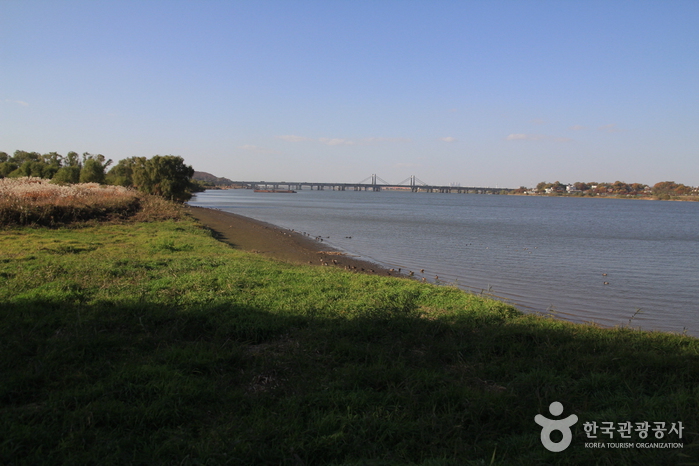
point(298, 186)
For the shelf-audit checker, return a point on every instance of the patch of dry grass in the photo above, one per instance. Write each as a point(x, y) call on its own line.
point(155, 208)
point(36, 201)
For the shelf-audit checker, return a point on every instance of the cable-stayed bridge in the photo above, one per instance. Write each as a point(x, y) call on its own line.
point(371, 183)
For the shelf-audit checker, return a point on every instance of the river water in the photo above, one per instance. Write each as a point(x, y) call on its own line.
point(542, 254)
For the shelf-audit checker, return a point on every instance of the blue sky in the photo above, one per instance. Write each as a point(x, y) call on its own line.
point(484, 93)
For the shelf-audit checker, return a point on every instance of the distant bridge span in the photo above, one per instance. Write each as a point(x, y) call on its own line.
point(373, 183)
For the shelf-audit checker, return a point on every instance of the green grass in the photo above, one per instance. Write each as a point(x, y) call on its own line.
point(152, 343)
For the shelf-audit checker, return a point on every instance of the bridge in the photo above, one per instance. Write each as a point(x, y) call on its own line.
point(373, 183)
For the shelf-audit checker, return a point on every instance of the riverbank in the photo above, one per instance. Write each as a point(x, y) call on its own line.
point(278, 243)
point(154, 343)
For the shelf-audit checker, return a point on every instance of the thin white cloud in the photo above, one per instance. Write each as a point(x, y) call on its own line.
point(17, 102)
point(336, 142)
point(448, 139)
point(535, 137)
point(578, 127)
point(373, 140)
point(343, 141)
point(611, 128)
point(293, 138)
point(258, 150)
point(525, 137)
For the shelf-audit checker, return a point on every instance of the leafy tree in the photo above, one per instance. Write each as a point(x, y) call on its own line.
point(638, 188)
point(72, 160)
point(165, 176)
point(6, 168)
point(542, 186)
point(20, 156)
point(35, 169)
point(619, 187)
point(121, 174)
point(69, 172)
point(603, 188)
point(4, 157)
point(670, 188)
point(558, 187)
point(52, 158)
point(67, 175)
point(93, 168)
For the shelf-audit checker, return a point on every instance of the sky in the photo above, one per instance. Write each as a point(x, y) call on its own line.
point(479, 93)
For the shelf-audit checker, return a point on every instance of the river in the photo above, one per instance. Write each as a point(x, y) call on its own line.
point(609, 261)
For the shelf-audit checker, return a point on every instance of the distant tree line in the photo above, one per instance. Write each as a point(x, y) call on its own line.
point(663, 189)
point(165, 176)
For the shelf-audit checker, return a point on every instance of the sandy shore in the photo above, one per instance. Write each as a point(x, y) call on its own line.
point(278, 243)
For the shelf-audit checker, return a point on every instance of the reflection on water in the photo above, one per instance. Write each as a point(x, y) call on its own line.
point(580, 259)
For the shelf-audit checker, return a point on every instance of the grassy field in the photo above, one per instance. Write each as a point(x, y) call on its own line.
point(152, 343)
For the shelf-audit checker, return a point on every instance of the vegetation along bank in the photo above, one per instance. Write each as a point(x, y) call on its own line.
point(136, 337)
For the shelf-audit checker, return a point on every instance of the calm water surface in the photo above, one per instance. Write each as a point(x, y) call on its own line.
point(542, 254)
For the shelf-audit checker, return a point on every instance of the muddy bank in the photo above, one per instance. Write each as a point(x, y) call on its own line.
point(278, 243)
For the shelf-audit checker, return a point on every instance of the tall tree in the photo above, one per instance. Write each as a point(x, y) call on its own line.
point(72, 160)
point(165, 176)
point(67, 175)
point(121, 174)
point(93, 168)
point(21, 156)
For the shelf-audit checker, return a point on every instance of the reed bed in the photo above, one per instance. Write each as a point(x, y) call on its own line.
point(37, 201)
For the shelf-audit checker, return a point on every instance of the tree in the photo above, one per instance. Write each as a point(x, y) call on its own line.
point(619, 187)
point(20, 156)
point(72, 160)
point(121, 174)
point(580, 186)
point(67, 175)
point(542, 186)
point(558, 187)
point(670, 188)
point(637, 188)
point(6, 168)
point(165, 176)
point(93, 168)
